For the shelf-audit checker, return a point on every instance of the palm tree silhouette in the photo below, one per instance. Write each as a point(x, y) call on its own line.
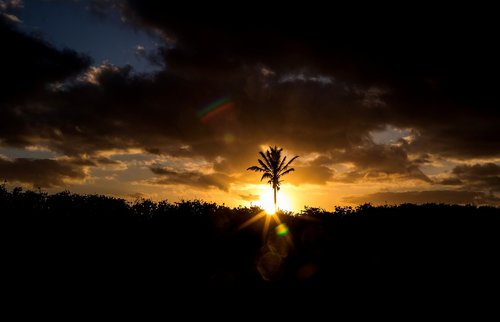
point(274, 167)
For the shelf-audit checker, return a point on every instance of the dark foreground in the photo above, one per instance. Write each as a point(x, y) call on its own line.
point(74, 242)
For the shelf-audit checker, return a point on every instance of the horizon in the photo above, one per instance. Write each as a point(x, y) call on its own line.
point(123, 98)
point(263, 207)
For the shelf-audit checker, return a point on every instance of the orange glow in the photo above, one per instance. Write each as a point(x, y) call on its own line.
point(266, 201)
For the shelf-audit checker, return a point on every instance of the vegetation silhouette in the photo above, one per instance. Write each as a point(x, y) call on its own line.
point(274, 167)
point(67, 241)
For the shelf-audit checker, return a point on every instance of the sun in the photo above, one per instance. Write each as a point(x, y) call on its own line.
point(266, 202)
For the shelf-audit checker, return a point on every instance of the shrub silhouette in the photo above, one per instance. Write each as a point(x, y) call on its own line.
point(85, 241)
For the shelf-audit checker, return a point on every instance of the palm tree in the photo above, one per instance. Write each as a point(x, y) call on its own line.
point(274, 167)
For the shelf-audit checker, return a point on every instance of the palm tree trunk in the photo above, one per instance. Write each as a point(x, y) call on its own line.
point(275, 199)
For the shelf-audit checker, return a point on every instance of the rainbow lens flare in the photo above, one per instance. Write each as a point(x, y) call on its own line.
point(282, 230)
point(216, 108)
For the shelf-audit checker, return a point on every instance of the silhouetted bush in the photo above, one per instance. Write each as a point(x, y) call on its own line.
point(92, 241)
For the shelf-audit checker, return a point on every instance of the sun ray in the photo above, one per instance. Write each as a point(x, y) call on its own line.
point(252, 220)
point(266, 227)
point(281, 229)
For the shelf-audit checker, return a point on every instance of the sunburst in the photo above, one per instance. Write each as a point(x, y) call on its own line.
point(266, 201)
point(281, 228)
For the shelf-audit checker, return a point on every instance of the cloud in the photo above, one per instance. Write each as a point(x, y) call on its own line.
point(451, 182)
point(11, 4)
point(477, 171)
point(107, 161)
point(11, 18)
point(301, 77)
point(300, 86)
point(313, 174)
point(9, 9)
point(250, 197)
point(478, 176)
point(117, 109)
point(44, 173)
point(94, 74)
point(104, 8)
point(376, 162)
point(440, 88)
point(28, 64)
point(191, 178)
point(420, 197)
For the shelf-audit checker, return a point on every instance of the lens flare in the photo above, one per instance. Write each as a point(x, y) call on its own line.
point(229, 138)
point(281, 230)
point(215, 108)
point(270, 219)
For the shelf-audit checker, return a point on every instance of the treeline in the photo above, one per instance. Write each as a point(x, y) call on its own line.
point(76, 241)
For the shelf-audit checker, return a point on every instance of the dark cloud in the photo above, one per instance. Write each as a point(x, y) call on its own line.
point(191, 178)
point(476, 184)
point(250, 197)
point(29, 64)
point(104, 114)
point(477, 171)
point(308, 79)
point(479, 176)
point(319, 175)
point(451, 182)
point(437, 78)
point(374, 161)
point(9, 11)
point(420, 197)
point(44, 173)
point(107, 161)
point(104, 8)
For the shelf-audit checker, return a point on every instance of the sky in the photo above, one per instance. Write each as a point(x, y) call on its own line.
point(145, 99)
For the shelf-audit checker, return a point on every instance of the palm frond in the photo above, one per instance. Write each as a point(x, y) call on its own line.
point(256, 169)
point(270, 158)
point(281, 164)
point(275, 149)
point(267, 175)
point(288, 171)
point(264, 166)
point(289, 162)
point(276, 158)
point(266, 160)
